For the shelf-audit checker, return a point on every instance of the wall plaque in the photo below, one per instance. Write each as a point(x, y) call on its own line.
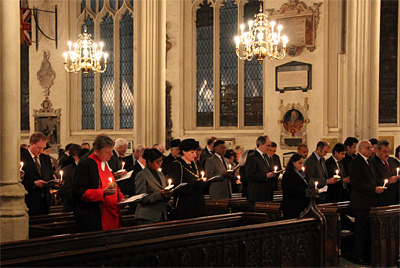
point(293, 75)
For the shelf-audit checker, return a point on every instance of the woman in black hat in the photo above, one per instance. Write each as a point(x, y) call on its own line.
point(188, 200)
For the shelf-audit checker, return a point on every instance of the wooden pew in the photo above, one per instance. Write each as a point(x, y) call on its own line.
point(223, 206)
point(385, 222)
point(224, 240)
point(61, 216)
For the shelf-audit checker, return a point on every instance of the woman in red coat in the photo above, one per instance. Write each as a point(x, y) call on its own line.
point(96, 191)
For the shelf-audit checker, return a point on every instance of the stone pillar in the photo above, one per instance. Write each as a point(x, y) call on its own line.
point(14, 219)
point(150, 105)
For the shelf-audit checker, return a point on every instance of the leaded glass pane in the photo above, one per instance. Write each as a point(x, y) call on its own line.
point(112, 4)
point(24, 87)
point(126, 71)
point(93, 5)
point(228, 65)
point(388, 58)
point(107, 78)
point(204, 72)
point(120, 3)
point(101, 4)
point(88, 88)
point(131, 1)
point(253, 80)
point(83, 4)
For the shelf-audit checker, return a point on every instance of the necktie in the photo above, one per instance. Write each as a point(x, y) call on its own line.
point(265, 156)
point(223, 162)
point(387, 165)
point(38, 166)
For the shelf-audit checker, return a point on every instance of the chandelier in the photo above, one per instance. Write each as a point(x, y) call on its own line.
point(263, 39)
point(85, 55)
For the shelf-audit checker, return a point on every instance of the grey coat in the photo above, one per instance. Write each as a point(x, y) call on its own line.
point(221, 187)
point(152, 206)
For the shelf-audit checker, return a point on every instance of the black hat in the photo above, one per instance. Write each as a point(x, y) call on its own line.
point(175, 143)
point(47, 146)
point(188, 144)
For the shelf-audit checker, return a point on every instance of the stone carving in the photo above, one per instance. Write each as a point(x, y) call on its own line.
point(46, 74)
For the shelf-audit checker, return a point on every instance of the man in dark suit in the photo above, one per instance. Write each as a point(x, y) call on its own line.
point(385, 171)
point(131, 160)
point(260, 175)
point(316, 169)
point(115, 162)
point(207, 151)
point(273, 160)
point(217, 166)
point(38, 172)
point(337, 192)
point(172, 156)
point(363, 197)
point(302, 149)
point(64, 157)
point(351, 147)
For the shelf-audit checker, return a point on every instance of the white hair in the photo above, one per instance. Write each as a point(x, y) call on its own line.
point(120, 142)
point(139, 147)
point(361, 145)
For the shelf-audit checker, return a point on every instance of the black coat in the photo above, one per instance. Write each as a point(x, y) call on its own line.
point(189, 200)
point(129, 162)
point(260, 189)
point(388, 197)
point(166, 162)
point(115, 163)
point(336, 192)
point(363, 182)
point(294, 199)
point(66, 191)
point(34, 196)
point(205, 154)
point(87, 214)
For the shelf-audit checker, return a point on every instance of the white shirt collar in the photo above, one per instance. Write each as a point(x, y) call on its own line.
point(365, 158)
point(103, 166)
point(317, 156)
point(141, 165)
point(261, 153)
point(32, 155)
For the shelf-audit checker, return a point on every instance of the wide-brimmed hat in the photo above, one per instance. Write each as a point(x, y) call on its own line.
point(188, 145)
point(175, 143)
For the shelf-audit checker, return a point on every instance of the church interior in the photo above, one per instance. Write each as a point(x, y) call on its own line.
point(174, 71)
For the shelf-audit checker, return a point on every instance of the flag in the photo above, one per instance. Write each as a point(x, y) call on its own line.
point(26, 26)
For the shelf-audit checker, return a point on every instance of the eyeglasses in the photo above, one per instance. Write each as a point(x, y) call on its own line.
point(158, 161)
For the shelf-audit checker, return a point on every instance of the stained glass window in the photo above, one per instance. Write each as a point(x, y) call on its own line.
point(107, 78)
point(93, 5)
point(88, 89)
point(126, 71)
point(101, 3)
point(228, 65)
point(83, 4)
point(388, 58)
point(120, 3)
point(204, 75)
point(112, 4)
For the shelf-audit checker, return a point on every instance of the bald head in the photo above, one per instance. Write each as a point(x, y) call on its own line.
point(364, 147)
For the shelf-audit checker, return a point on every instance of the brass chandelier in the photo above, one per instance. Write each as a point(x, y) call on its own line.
point(261, 40)
point(85, 55)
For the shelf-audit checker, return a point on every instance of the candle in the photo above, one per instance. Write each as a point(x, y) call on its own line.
point(22, 164)
point(202, 174)
point(159, 170)
point(238, 176)
point(123, 164)
point(61, 175)
point(398, 170)
point(110, 179)
point(111, 183)
point(316, 185)
point(275, 168)
point(229, 167)
point(169, 182)
point(386, 181)
point(303, 168)
point(337, 172)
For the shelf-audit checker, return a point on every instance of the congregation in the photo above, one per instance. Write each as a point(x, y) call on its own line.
point(96, 183)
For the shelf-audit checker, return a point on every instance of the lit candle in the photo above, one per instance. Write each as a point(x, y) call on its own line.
point(110, 179)
point(202, 174)
point(238, 176)
point(303, 168)
point(159, 170)
point(275, 168)
point(229, 167)
point(237, 40)
point(398, 170)
point(316, 185)
point(61, 175)
point(242, 27)
point(22, 165)
point(386, 181)
point(337, 172)
point(272, 25)
point(284, 40)
point(65, 56)
point(123, 164)
point(169, 182)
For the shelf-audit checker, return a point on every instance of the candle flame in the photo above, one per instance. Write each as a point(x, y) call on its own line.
point(316, 185)
point(169, 182)
point(202, 174)
point(337, 171)
point(303, 168)
point(275, 168)
point(110, 179)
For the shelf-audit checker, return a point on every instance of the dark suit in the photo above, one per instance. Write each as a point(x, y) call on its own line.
point(336, 192)
point(388, 197)
point(166, 162)
point(275, 161)
point(363, 197)
point(115, 162)
point(260, 188)
point(221, 187)
point(37, 199)
point(315, 170)
point(85, 156)
point(205, 154)
point(62, 159)
point(66, 191)
point(130, 161)
point(128, 186)
point(294, 199)
point(151, 207)
point(346, 162)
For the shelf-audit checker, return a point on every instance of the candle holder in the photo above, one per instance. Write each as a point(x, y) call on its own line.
point(112, 184)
